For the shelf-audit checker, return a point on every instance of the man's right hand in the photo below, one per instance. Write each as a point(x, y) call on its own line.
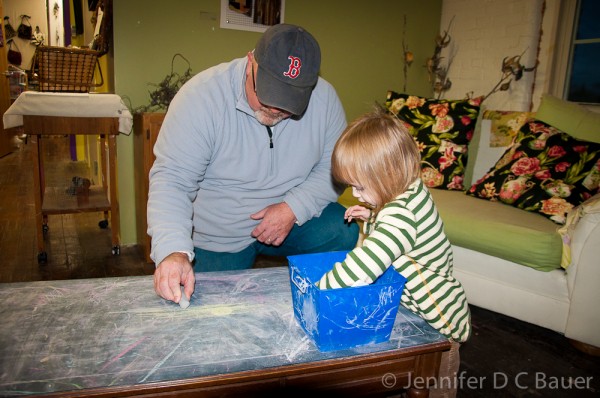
point(175, 270)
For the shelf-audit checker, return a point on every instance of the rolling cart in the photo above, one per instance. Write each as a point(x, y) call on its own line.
point(44, 114)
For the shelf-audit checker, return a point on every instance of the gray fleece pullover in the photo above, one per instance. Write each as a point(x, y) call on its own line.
point(214, 165)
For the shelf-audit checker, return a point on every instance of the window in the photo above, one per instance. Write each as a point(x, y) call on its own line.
point(583, 76)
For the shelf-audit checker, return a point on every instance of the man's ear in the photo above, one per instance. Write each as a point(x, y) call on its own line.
point(250, 57)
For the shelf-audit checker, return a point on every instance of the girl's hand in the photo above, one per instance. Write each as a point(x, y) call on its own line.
point(359, 212)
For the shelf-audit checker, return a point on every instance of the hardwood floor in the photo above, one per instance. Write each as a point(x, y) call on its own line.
point(77, 247)
point(504, 357)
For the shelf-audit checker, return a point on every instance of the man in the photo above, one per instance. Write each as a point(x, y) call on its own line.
point(243, 165)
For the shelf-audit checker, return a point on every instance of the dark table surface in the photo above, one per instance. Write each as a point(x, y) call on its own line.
point(88, 333)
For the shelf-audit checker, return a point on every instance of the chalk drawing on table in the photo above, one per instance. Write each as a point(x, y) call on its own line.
point(44, 385)
point(98, 294)
point(191, 312)
point(162, 361)
point(56, 293)
point(125, 351)
point(407, 331)
point(292, 346)
point(245, 285)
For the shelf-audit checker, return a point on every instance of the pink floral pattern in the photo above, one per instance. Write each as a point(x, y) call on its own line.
point(545, 171)
point(443, 130)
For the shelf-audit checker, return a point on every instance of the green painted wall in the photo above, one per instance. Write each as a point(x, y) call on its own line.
point(361, 45)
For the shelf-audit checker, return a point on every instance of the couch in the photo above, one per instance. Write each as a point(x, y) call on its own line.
point(510, 257)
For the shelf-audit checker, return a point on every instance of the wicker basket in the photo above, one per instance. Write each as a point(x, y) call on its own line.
point(64, 69)
point(67, 69)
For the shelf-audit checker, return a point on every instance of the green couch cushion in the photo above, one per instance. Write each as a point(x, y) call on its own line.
point(498, 230)
point(495, 229)
point(570, 117)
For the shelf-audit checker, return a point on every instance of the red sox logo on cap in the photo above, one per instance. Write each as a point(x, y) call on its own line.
point(294, 68)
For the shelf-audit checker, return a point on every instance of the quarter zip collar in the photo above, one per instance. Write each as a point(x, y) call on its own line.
point(240, 87)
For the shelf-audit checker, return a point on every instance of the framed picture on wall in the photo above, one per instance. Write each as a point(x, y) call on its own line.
point(252, 15)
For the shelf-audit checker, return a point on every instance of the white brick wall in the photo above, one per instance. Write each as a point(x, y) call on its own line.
point(483, 33)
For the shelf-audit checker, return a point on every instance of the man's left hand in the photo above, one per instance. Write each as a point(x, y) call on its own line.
point(276, 223)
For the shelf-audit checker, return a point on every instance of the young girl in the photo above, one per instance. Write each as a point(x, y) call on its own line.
point(379, 158)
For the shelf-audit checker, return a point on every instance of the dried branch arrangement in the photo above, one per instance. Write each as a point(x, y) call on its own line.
point(167, 88)
point(438, 73)
point(511, 69)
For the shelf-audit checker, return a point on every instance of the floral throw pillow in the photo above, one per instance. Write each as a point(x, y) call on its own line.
point(505, 126)
point(545, 171)
point(443, 130)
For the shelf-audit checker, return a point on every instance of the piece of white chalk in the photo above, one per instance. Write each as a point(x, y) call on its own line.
point(184, 302)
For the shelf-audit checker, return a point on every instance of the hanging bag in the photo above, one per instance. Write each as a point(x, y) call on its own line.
point(8, 29)
point(25, 31)
point(14, 56)
point(38, 37)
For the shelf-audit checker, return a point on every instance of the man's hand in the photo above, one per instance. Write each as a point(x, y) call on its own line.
point(277, 222)
point(173, 271)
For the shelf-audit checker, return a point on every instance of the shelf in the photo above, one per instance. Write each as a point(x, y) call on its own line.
point(57, 201)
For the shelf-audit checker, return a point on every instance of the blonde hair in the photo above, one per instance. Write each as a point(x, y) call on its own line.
point(377, 152)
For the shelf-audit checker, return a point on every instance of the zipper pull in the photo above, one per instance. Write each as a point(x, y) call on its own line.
point(270, 132)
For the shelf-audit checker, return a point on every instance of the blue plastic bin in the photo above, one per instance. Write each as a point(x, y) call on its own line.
point(337, 319)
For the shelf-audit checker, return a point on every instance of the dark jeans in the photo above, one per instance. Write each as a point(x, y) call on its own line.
point(328, 232)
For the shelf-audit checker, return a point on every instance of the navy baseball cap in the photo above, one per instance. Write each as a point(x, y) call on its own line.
point(288, 60)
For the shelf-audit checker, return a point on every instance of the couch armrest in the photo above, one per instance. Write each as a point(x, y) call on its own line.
point(583, 278)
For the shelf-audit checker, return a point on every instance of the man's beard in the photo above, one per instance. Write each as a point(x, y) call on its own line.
point(267, 118)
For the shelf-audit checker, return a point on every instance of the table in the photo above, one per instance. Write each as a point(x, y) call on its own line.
point(116, 337)
point(42, 113)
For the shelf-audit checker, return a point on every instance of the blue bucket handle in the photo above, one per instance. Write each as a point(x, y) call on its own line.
point(299, 281)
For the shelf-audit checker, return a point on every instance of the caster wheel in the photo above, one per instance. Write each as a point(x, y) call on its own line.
point(116, 250)
point(42, 258)
point(45, 228)
point(103, 224)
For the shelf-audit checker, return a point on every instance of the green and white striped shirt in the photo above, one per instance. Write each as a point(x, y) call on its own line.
point(409, 233)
